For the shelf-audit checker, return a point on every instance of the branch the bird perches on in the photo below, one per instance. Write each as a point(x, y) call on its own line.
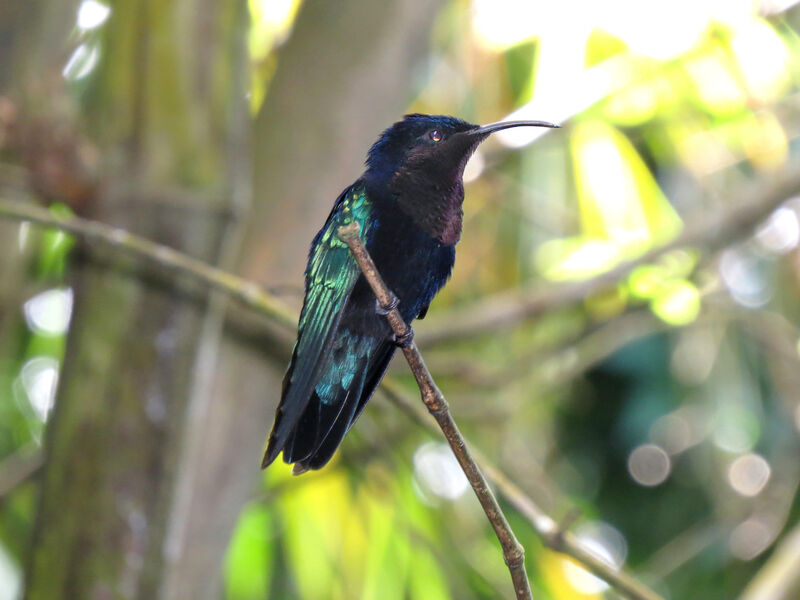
point(513, 553)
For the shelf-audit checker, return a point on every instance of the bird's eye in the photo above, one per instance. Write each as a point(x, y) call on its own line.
point(435, 135)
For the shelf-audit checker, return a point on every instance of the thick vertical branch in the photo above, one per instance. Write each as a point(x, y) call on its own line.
point(513, 553)
point(115, 435)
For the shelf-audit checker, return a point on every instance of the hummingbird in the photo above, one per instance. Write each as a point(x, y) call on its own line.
point(408, 203)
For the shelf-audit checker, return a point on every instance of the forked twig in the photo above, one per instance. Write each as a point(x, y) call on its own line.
point(513, 553)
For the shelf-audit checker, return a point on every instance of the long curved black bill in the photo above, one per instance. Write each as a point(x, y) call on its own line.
point(492, 127)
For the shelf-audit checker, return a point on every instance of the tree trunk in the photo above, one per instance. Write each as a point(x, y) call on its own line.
point(22, 55)
point(161, 106)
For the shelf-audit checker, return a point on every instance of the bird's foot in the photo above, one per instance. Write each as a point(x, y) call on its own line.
point(385, 310)
point(405, 340)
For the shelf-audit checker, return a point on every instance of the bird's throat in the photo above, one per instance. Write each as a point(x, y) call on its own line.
point(436, 210)
point(432, 197)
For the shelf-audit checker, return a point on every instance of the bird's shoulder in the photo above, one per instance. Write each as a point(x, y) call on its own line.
point(329, 260)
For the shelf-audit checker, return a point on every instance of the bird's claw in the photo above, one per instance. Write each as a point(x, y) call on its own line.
point(401, 341)
point(405, 340)
point(385, 310)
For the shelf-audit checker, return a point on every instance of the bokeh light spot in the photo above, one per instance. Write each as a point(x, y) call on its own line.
point(694, 356)
point(716, 86)
point(437, 471)
point(780, 233)
point(10, 575)
point(679, 304)
point(92, 14)
point(39, 377)
point(736, 430)
point(82, 62)
point(762, 58)
point(672, 432)
point(48, 313)
point(750, 538)
point(474, 167)
point(749, 474)
point(607, 544)
point(744, 280)
point(649, 465)
point(503, 23)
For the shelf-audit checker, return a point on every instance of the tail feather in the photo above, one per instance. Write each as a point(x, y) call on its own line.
point(351, 409)
point(323, 425)
point(325, 446)
point(309, 439)
point(328, 445)
point(277, 437)
point(301, 440)
point(319, 420)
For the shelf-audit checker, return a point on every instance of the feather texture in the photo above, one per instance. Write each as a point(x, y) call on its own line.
point(330, 277)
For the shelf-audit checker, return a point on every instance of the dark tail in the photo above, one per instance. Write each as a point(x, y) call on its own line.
point(311, 439)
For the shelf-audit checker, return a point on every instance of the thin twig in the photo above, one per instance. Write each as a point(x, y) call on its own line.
point(513, 553)
point(275, 311)
point(549, 531)
point(682, 549)
point(246, 292)
point(711, 231)
point(550, 367)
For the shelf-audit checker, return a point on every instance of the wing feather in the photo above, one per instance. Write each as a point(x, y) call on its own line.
point(330, 277)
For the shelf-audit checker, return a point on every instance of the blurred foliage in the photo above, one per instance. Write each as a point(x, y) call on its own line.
point(28, 375)
point(663, 407)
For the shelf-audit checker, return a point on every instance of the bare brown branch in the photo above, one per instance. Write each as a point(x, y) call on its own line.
point(513, 553)
point(552, 534)
point(242, 290)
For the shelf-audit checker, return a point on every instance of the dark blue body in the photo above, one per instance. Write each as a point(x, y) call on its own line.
point(342, 354)
point(413, 264)
point(408, 204)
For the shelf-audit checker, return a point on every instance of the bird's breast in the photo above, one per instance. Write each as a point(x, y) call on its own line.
point(413, 264)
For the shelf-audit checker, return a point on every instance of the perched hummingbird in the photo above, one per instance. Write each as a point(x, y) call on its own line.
point(408, 204)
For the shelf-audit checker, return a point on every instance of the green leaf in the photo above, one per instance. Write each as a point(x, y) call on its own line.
point(521, 67)
point(678, 304)
point(55, 246)
point(388, 556)
point(601, 45)
point(426, 580)
point(248, 565)
point(313, 515)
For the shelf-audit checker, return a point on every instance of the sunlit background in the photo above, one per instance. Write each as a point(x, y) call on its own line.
point(663, 406)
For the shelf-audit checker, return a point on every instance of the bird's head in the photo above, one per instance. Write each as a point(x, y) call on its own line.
point(420, 160)
point(432, 148)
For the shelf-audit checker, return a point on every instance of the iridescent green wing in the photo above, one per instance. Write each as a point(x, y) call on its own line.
point(330, 276)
